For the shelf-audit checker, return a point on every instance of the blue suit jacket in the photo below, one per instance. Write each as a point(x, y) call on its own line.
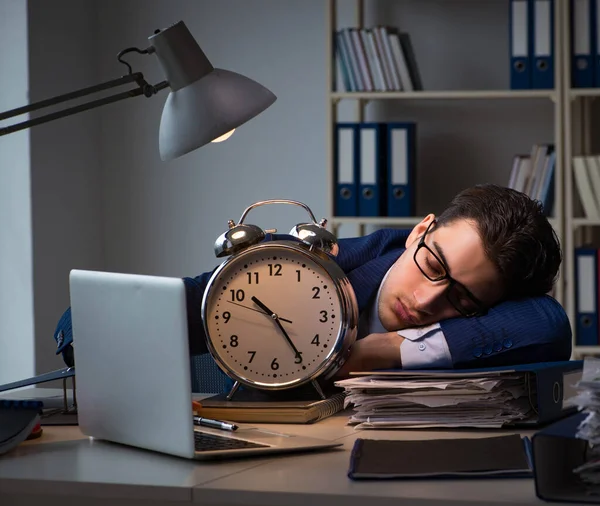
point(520, 331)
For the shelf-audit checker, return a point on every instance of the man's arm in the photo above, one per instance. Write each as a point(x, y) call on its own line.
point(524, 331)
point(519, 331)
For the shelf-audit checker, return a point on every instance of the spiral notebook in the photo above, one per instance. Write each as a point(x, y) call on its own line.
point(257, 407)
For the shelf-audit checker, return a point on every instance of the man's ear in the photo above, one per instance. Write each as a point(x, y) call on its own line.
point(419, 229)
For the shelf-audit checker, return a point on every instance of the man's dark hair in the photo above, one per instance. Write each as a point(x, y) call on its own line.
point(516, 236)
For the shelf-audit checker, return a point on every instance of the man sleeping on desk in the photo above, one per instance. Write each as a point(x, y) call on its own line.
point(464, 289)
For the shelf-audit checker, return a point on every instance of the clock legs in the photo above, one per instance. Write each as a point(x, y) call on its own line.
point(233, 390)
point(318, 388)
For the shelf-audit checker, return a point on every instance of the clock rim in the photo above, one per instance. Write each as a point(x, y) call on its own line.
point(348, 309)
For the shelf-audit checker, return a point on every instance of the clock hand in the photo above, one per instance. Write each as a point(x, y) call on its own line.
point(258, 311)
point(278, 323)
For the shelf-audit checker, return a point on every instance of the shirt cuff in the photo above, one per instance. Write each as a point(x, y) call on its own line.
point(425, 348)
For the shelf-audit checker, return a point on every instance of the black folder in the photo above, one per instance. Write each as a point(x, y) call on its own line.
point(487, 457)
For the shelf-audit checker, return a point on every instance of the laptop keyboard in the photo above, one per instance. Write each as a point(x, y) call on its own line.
point(204, 442)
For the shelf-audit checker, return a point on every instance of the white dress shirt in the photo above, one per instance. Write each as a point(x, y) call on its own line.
point(422, 347)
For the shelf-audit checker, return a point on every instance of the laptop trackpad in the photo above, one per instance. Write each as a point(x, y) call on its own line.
point(259, 432)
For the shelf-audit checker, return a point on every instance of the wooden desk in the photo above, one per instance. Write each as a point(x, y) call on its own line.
point(64, 468)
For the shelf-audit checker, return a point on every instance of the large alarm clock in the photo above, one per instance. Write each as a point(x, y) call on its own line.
point(279, 314)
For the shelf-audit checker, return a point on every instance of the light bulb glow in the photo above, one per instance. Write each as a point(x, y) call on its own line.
point(224, 137)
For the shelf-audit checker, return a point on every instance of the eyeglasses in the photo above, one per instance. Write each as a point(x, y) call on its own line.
point(434, 269)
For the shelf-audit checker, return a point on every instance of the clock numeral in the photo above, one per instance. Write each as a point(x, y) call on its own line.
point(274, 364)
point(324, 317)
point(275, 270)
point(233, 341)
point(317, 290)
point(298, 273)
point(250, 277)
point(226, 316)
point(251, 353)
point(298, 358)
point(237, 295)
point(315, 340)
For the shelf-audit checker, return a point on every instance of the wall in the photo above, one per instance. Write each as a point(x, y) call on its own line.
point(65, 162)
point(16, 284)
point(163, 218)
point(102, 199)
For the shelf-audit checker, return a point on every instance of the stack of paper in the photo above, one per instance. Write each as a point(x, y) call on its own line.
point(468, 401)
point(588, 401)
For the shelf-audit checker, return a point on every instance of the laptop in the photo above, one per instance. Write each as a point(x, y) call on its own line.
point(133, 371)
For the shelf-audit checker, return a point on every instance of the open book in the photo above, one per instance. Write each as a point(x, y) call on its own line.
point(256, 407)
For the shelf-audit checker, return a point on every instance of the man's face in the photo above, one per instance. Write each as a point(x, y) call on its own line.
point(409, 299)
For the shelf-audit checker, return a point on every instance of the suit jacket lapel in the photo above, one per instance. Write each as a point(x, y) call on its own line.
point(366, 279)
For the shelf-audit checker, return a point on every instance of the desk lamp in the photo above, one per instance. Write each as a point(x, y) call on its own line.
point(204, 104)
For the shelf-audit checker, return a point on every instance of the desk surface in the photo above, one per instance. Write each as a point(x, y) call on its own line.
point(65, 466)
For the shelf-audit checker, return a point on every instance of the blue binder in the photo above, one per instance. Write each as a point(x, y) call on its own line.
point(520, 45)
point(595, 13)
point(542, 70)
point(371, 180)
point(583, 35)
point(586, 296)
point(346, 157)
point(401, 162)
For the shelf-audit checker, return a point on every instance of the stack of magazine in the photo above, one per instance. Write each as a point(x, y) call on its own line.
point(485, 398)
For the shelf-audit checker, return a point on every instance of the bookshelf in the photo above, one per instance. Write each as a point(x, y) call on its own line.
point(578, 104)
point(493, 96)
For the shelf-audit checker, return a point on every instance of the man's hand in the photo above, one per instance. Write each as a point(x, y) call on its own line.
point(376, 351)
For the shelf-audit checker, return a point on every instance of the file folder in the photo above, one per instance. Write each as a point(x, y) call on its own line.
point(550, 384)
point(346, 156)
point(371, 187)
point(520, 59)
point(504, 456)
point(542, 72)
point(401, 161)
point(586, 296)
point(582, 43)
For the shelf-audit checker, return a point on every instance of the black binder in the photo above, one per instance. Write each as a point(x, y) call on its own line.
point(556, 452)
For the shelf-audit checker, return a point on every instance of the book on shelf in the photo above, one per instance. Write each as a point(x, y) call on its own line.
point(533, 174)
point(380, 58)
point(251, 406)
point(586, 173)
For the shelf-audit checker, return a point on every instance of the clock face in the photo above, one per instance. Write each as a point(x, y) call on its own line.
point(273, 316)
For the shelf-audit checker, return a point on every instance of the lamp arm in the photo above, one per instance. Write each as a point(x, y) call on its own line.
point(143, 89)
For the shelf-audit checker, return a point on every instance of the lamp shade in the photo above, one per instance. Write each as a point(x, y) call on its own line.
point(204, 103)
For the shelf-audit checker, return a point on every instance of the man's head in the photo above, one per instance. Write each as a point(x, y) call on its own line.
point(490, 244)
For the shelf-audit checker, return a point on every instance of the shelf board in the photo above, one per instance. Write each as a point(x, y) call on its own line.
point(383, 220)
point(584, 92)
point(582, 222)
point(438, 95)
point(587, 349)
point(390, 220)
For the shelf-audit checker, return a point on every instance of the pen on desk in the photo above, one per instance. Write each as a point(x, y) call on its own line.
point(215, 424)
